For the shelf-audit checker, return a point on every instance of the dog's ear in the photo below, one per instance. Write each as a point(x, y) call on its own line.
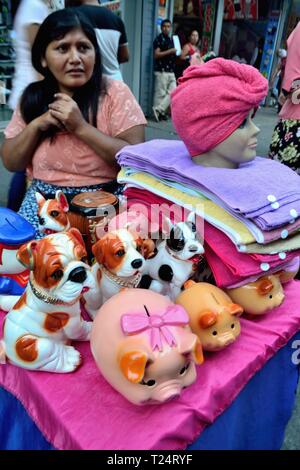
point(99, 249)
point(148, 248)
point(76, 234)
point(62, 200)
point(40, 199)
point(26, 254)
point(167, 226)
point(192, 217)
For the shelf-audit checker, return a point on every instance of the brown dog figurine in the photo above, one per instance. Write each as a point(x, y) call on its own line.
point(120, 259)
point(38, 330)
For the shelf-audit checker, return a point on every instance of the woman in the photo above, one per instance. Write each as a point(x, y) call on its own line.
point(285, 144)
point(189, 52)
point(30, 14)
point(71, 124)
point(191, 47)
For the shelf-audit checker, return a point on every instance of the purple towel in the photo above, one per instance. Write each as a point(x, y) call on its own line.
point(263, 183)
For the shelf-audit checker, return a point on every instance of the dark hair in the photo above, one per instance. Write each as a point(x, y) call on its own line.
point(38, 95)
point(191, 32)
point(165, 21)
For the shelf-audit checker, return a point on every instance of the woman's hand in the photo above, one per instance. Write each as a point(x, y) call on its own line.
point(282, 99)
point(66, 111)
point(46, 120)
point(196, 59)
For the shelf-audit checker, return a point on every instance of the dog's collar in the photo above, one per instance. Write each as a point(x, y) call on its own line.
point(48, 299)
point(132, 281)
point(194, 259)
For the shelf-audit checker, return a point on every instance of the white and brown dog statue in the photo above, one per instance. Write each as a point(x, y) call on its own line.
point(38, 330)
point(52, 213)
point(120, 259)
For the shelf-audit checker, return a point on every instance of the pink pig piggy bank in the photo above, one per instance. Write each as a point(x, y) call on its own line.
point(144, 347)
point(213, 316)
point(260, 296)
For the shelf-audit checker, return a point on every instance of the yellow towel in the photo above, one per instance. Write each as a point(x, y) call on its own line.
point(214, 214)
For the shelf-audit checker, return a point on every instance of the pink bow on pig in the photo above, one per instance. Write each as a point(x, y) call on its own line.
point(175, 315)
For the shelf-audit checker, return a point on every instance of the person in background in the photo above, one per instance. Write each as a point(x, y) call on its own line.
point(70, 124)
point(29, 15)
point(164, 67)
point(195, 4)
point(285, 144)
point(277, 77)
point(110, 32)
point(190, 48)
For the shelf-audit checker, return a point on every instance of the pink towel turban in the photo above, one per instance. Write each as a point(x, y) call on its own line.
point(212, 100)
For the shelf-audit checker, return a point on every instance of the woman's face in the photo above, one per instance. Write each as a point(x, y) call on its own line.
point(194, 37)
point(71, 59)
point(240, 146)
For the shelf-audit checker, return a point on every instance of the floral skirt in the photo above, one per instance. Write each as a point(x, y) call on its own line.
point(29, 207)
point(285, 144)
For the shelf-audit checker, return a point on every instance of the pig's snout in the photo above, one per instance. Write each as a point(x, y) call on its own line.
point(280, 298)
point(168, 391)
point(226, 339)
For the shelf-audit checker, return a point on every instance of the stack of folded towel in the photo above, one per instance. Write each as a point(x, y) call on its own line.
point(252, 223)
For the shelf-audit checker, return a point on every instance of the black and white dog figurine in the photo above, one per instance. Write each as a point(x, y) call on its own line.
point(174, 261)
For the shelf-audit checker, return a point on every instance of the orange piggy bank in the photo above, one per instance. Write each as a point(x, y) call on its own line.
point(213, 315)
point(260, 296)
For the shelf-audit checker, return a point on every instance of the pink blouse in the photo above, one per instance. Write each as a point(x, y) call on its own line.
point(67, 161)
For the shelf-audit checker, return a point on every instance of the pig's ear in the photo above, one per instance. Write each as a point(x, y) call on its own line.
point(189, 283)
point(198, 353)
point(235, 309)
point(264, 286)
point(207, 319)
point(133, 364)
point(190, 344)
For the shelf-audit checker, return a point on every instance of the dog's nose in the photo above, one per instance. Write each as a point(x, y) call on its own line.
point(193, 248)
point(136, 263)
point(41, 221)
point(77, 275)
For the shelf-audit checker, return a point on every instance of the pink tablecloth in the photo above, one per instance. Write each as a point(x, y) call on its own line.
point(81, 411)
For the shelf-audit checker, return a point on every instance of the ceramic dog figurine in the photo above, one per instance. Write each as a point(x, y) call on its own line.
point(38, 330)
point(52, 213)
point(120, 259)
point(144, 347)
point(14, 231)
point(176, 258)
point(213, 315)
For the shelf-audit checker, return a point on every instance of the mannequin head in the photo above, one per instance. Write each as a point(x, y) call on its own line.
point(239, 147)
point(212, 111)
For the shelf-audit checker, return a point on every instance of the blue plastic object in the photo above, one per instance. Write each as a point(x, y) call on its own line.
point(14, 229)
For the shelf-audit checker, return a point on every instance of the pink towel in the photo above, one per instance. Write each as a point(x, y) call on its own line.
point(212, 100)
point(241, 264)
point(81, 411)
point(226, 278)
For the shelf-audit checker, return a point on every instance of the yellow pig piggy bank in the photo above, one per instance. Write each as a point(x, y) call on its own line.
point(213, 315)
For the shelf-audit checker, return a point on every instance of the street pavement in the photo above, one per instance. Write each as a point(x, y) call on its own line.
point(265, 119)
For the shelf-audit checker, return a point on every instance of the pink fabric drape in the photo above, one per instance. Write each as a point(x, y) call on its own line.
point(81, 411)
